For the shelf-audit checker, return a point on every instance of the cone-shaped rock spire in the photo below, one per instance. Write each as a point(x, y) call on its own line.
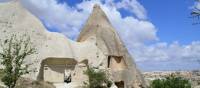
point(110, 43)
point(98, 25)
point(96, 20)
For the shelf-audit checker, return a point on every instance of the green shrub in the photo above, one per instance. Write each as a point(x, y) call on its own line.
point(1, 74)
point(97, 79)
point(14, 51)
point(171, 82)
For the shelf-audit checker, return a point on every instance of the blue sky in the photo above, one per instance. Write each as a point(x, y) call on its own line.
point(172, 18)
point(158, 34)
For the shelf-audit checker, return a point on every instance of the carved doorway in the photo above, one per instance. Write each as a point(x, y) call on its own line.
point(58, 70)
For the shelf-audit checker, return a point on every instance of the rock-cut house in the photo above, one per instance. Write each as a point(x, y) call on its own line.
point(61, 60)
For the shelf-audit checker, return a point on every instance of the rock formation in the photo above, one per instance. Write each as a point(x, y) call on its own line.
point(61, 60)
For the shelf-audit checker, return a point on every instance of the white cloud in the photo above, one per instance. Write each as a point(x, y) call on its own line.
point(134, 6)
point(58, 16)
point(163, 56)
point(69, 20)
point(168, 52)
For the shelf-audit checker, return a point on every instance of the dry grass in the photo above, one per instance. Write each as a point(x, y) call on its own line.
point(27, 83)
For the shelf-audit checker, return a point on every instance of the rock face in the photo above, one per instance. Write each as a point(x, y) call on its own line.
point(118, 60)
point(61, 60)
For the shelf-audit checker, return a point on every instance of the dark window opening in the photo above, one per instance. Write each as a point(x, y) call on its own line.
point(120, 84)
point(109, 57)
point(118, 59)
point(67, 79)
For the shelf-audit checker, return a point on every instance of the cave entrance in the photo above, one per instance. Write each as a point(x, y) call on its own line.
point(120, 84)
point(116, 63)
point(58, 70)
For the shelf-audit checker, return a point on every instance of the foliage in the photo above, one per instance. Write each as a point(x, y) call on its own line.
point(14, 51)
point(1, 74)
point(171, 82)
point(97, 79)
point(196, 12)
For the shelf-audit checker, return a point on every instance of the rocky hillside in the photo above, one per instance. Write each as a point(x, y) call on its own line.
point(192, 76)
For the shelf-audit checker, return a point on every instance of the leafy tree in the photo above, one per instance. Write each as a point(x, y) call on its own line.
point(13, 53)
point(97, 79)
point(196, 12)
point(171, 82)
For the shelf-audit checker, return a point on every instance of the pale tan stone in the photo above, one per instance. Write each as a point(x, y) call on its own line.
point(98, 46)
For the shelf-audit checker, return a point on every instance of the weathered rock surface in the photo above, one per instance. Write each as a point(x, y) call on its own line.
point(109, 42)
point(59, 57)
